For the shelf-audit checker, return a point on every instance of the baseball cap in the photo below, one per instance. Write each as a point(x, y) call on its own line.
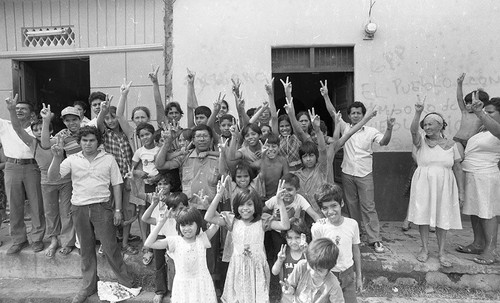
point(70, 110)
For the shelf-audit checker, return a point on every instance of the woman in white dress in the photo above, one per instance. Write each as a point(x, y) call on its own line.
point(434, 194)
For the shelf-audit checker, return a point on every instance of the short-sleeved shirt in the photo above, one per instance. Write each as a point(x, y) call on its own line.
point(13, 146)
point(289, 149)
point(306, 292)
point(91, 179)
point(344, 236)
point(358, 159)
point(310, 183)
point(117, 144)
point(147, 157)
point(71, 145)
point(197, 174)
point(293, 209)
point(168, 229)
point(43, 157)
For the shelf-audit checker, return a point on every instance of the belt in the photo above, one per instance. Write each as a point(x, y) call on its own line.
point(345, 272)
point(21, 161)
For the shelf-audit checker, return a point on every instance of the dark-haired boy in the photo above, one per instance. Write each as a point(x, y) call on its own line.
point(95, 100)
point(344, 232)
point(92, 212)
point(469, 123)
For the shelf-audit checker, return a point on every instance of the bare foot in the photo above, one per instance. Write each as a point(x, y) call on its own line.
point(158, 298)
point(444, 261)
point(51, 251)
point(423, 255)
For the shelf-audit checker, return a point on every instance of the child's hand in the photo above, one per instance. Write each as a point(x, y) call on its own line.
point(58, 148)
point(269, 87)
point(286, 288)
point(282, 253)
point(303, 241)
point(221, 185)
point(289, 107)
point(419, 106)
point(218, 103)
point(281, 190)
point(153, 76)
point(45, 113)
point(287, 85)
point(236, 87)
point(125, 88)
point(223, 145)
point(324, 88)
point(202, 197)
point(264, 149)
point(460, 79)
point(316, 122)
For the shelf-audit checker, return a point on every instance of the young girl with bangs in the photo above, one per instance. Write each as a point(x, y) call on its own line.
point(250, 151)
point(248, 275)
point(192, 281)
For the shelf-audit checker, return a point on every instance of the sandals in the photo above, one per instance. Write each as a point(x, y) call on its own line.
point(147, 258)
point(130, 250)
point(65, 250)
point(469, 249)
point(483, 261)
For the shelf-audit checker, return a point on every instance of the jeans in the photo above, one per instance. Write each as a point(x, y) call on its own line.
point(347, 280)
point(57, 205)
point(21, 179)
point(90, 220)
point(360, 200)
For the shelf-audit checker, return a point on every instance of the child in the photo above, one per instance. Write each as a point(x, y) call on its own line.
point(192, 281)
point(344, 232)
point(296, 239)
point(146, 155)
point(164, 266)
point(248, 274)
point(312, 281)
point(201, 115)
point(470, 123)
point(251, 150)
point(272, 165)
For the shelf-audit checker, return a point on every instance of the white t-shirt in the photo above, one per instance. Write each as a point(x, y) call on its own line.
point(344, 236)
point(293, 209)
point(168, 228)
point(13, 146)
point(147, 157)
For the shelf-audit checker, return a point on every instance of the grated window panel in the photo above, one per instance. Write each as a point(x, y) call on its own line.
point(48, 36)
point(339, 59)
point(290, 58)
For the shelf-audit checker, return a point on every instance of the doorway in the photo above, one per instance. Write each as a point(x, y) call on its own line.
point(55, 82)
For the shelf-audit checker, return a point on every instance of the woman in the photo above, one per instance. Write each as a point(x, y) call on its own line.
point(482, 182)
point(434, 195)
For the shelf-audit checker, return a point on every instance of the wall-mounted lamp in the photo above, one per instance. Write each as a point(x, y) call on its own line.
point(370, 27)
point(45, 32)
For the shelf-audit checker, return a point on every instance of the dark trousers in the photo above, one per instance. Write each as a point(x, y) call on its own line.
point(213, 253)
point(90, 220)
point(164, 271)
point(347, 280)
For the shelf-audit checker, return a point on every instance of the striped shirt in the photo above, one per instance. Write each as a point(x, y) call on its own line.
point(71, 146)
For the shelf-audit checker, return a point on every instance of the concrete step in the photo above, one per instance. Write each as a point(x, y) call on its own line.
point(398, 264)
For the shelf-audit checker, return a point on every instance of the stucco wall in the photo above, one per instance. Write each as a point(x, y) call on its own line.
point(420, 47)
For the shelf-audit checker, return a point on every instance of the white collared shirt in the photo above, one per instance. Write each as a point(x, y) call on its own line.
point(358, 159)
point(13, 146)
point(91, 179)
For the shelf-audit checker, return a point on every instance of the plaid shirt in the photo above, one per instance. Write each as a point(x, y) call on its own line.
point(289, 148)
point(118, 145)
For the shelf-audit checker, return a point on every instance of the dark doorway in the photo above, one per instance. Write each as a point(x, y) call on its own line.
point(55, 82)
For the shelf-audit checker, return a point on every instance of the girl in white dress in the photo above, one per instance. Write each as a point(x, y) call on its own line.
point(192, 281)
point(435, 194)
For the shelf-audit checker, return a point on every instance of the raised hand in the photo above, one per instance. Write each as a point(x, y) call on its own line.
point(223, 144)
point(287, 85)
point(11, 102)
point(45, 113)
point(190, 76)
point(58, 148)
point(419, 106)
point(286, 288)
point(289, 106)
point(202, 197)
point(236, 87)
point(105, 106)
point(109, 98)
point(372, 112)
point(125, 88)
point(221, 185)
point(218, 102)
point(282, 253)
point(303, 241)
point(264, 148)
point(315, 120)
point(324, 88)
point(390, 120)
point(460, 79)
point(281, 190)
point(269, 87)
point(153, 76)
point(477, 105)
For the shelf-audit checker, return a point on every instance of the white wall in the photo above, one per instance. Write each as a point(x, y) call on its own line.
point(420, 47)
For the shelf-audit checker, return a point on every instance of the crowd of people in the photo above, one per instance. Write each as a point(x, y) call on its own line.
point(234, 199)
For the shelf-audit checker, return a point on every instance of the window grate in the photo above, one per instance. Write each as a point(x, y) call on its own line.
point(335, 58)
point(313, 59)
point(290, 58)
point(48, 36)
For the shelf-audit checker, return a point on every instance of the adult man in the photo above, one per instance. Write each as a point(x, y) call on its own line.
point(357, 177)
point(92, 172)
point(22, 175)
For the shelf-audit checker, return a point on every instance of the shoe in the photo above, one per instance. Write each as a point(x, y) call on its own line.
point(378, 247)
point(147, 258)
point(130, 250)
point(15, 248)
point(37, 246)
point(132, 238)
